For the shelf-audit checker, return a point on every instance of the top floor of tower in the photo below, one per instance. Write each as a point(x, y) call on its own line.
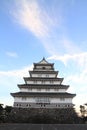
point(43, 65)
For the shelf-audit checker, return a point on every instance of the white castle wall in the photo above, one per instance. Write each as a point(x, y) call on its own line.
point(41, 67)
point(42, 90)
point(61, 100)
point(43, 82)
point(44, 75)
point(20, 99)
point(43, 100)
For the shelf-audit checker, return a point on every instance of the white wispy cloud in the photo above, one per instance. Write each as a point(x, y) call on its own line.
point(8, 83)
point(40, 20)
point(46, 23)
point(80, 58)
point(12, 54)
point(77, 78)
point(32, 16)
point(17, 73)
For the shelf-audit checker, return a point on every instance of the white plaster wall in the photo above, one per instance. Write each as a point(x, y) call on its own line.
point(19, 99)
point(35, 100)
point(58, 100)
point(29, 82)
point(43, 75)
point(45, 82)
point(41, 67)
point(42, 90)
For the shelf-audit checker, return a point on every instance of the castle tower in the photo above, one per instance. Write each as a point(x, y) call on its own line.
point(43, 89)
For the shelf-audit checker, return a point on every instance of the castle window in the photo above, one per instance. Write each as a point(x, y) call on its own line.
point(43, 82)
point(58, 105)
point(65, 105)
point(43, 68)
point(39, 75)
point(38, 89)
point(29, 89)
point(62, 99)
point(68, 105)
point(23, 98)
point(51, 82)
point(56, 89)
point(35, 82)
point(27, 105)
point(42, 100)
point(47, 75)
point(47, 89)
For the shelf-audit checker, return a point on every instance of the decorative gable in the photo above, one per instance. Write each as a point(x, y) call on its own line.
point(43, 61)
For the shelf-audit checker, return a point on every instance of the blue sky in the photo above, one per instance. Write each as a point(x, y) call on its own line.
point(33, 29)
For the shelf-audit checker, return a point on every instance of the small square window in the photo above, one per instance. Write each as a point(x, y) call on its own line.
point(43, 67)
point(38, 89)
point(43, 82)
point(56, 89)
point(47, 75)
point(51, 82)
point(47, 89)
point(39, 75)
point(62, 99)
point(35, 82)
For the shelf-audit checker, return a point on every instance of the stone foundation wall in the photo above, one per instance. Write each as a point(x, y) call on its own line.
point(55, 116)
point(42, 105)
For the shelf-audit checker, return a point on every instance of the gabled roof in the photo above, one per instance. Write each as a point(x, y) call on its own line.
point(42, 94)
point(42, 78)
point(43, 72)
point(43, 61)
point(43, 86)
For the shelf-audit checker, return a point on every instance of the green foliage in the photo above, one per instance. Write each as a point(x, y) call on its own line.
point(4, 113)
point(1, 113)
point(41, 115)
point(8, 109)
point(1, 108)
point(82, 110)
point(44, 116)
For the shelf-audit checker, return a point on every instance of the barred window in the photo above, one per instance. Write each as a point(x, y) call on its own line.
point(43, 82)
point(42, 100)
point(47, 89)
point(38, 89)
point(62, 99)
point(35, 82)
point(51, 82)
point(47, 75)
point(23, 98)
point(56, 89)
point(39, 75)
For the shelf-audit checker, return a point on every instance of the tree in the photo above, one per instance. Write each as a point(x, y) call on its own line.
point(82, 110)
point(1, 108)
point(6, 113)
point(86, 109)
point(8, 109)
point(1, 112)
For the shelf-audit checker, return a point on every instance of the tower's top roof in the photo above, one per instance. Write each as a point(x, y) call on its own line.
point(44, 61)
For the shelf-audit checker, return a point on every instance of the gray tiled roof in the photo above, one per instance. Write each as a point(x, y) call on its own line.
point(42, 94)
point(42, 78)
point(52, 86)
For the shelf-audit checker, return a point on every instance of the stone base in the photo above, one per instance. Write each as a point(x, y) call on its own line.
point(49, 116)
